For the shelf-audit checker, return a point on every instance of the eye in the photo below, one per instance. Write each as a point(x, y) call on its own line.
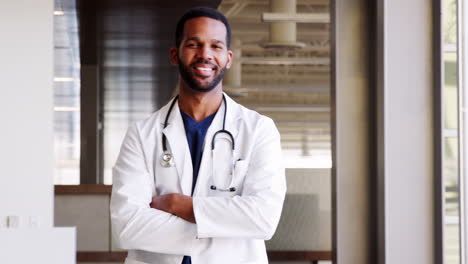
point(217, 47)
point(191, 45)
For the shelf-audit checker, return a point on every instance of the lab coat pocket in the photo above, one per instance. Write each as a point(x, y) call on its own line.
point(167, 180)
point(240, 170)
point(231, 185)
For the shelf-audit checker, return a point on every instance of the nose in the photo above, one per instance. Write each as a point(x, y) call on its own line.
point(204, 52)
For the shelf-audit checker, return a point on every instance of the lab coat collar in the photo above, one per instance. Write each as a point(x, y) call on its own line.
point(177, 140)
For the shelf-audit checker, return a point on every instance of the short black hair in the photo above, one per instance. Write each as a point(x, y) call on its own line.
point(202, 12)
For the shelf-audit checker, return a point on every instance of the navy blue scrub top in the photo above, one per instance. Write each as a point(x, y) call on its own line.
point(196, 133)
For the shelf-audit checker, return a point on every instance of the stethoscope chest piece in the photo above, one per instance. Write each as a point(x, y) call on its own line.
point(166, 160)
point(230, 189)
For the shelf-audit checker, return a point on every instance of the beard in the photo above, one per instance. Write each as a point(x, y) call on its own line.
point(196, 85)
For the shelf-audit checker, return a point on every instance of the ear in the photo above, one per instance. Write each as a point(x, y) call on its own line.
point(229, 62)
point(174, 57)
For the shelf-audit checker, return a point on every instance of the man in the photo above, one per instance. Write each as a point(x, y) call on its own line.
point(183, 192)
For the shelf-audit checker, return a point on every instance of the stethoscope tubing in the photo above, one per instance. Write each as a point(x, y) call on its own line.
point(166, 160)
point(164, 140)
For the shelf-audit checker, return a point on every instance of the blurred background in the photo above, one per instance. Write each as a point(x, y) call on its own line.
point(377, 87)
point(112, 69)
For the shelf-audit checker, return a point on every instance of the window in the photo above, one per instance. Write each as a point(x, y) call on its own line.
point(454, 129)
point(66, 95)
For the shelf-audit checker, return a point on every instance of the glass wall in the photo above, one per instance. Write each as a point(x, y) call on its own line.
point(454, 131)
point(128, 76)
point(285, 75)
point(66, 94)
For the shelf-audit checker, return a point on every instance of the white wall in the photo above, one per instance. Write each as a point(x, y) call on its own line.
point(26, 113)
point(408, 131)
point(26, 108)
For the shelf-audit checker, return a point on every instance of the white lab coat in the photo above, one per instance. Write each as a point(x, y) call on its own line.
point(231, 226)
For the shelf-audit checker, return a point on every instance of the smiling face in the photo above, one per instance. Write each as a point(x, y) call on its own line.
point(202, 56)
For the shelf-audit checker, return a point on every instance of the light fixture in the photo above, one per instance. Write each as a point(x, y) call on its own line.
point(59, 13)
point(65, 79)
point(66, 109)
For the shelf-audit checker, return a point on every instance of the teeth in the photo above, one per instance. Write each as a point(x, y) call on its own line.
point(204, 69)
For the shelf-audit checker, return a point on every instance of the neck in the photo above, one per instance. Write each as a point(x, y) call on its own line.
point(200, 105)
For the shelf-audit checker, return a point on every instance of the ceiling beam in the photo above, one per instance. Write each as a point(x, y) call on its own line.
point(297, 17)
point(286, 60)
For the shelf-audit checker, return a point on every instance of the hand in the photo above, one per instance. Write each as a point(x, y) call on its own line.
point(163, 202)
point(176, 204)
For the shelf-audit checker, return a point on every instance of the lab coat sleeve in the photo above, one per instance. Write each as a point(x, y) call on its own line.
point(135, 225)
point(256, 212)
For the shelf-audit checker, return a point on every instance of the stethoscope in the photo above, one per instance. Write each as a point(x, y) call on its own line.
point(167, 159)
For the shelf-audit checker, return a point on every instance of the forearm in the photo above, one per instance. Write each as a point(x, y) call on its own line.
point(137, 227)
point(176, 204)
point(253, 216)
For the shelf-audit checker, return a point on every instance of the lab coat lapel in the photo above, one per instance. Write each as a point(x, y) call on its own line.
point(178, 146)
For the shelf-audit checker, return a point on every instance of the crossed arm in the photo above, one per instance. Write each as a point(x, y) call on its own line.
point(174, 203)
